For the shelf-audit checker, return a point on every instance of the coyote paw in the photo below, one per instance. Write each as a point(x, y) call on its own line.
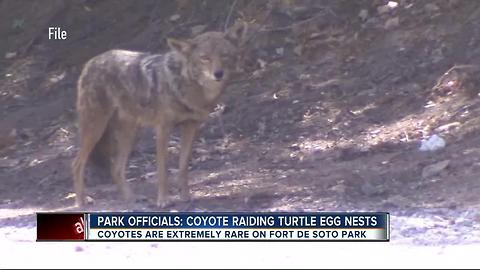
point(82, 202)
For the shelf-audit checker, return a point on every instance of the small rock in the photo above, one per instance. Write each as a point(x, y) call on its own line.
point(279, 51)
point(295, 147)
point(198, 29)
point(392, 23)
point(316, 35)
point(10, 55)
point(392, 4)
point(363, 14)
point(262, 63)
point(298, 50)
point(257, 73)
point(386, 8)
point(57, 78)
point(383, 9)
point(431, 7)
point(435, 169)
point(433, 143)
point(340, 188)
point(461, 221)
point(276, 64)
point(174, 17)
point(89, 200)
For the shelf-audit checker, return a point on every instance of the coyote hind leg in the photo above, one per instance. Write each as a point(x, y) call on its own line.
point(91, 127)
point(105, 149)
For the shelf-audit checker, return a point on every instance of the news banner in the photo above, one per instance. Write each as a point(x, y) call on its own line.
point(177, 226)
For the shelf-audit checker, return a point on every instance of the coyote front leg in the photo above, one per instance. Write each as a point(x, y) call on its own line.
point(163, 132)
point(189, 130)
point(125, 132)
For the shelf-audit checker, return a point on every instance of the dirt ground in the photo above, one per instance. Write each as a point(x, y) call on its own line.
point(328, 115)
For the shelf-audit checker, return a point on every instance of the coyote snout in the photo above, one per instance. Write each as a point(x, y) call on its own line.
point(119, 91)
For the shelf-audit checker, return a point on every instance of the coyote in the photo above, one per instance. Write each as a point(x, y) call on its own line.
point(120, 91)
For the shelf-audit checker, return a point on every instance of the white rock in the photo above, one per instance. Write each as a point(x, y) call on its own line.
point(298, 50)
point(279, 51)
point(363, 14)
point(386, 8)
point(10, 55)
point(392, 4)
point(339, 188)
point(174, 17)
point(433, 143)
point(198, 29)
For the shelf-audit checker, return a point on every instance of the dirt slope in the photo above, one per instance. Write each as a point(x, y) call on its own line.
point(328, 116)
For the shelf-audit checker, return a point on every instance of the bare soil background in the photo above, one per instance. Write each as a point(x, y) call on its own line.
point(328, 114)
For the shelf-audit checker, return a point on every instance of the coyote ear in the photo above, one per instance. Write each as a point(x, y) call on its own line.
point(181, 46)
point(238, 32)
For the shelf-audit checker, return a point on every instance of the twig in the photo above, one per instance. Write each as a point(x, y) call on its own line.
point(460, 67)
point(455, 67)
point(406, 136)
point(227, 21)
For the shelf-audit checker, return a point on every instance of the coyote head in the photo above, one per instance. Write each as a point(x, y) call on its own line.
point(211, 56)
